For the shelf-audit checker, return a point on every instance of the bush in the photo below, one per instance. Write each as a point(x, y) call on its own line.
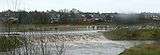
point(9, 43)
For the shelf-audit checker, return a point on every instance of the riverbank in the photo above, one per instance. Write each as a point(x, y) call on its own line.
point(140, 35)
point(145, 49)
point(29, 28)
point(133, 34)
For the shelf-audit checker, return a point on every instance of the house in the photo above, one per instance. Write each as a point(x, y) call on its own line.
point(12, 18)
point(6, 19)
point(54, 17)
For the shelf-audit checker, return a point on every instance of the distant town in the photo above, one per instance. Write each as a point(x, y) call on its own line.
point(75, 16)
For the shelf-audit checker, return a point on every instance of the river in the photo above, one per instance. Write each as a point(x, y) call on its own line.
point(71, 43)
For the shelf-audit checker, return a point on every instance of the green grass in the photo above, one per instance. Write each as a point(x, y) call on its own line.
point(133, 34)
point(9, 43)
point(147, 49)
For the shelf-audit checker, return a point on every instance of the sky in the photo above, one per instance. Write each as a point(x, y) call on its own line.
point(121, 6)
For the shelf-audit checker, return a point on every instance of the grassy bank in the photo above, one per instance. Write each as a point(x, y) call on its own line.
point(133, 34)
point(146, 49)
point(9, 43)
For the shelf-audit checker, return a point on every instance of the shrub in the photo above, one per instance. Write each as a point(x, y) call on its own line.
point(9, 43)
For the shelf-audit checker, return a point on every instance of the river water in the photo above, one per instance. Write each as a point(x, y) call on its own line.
point(71, 43)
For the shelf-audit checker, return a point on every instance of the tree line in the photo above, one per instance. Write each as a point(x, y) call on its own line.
point(65, 16)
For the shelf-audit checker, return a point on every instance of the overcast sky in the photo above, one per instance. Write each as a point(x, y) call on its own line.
point(84, 5)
